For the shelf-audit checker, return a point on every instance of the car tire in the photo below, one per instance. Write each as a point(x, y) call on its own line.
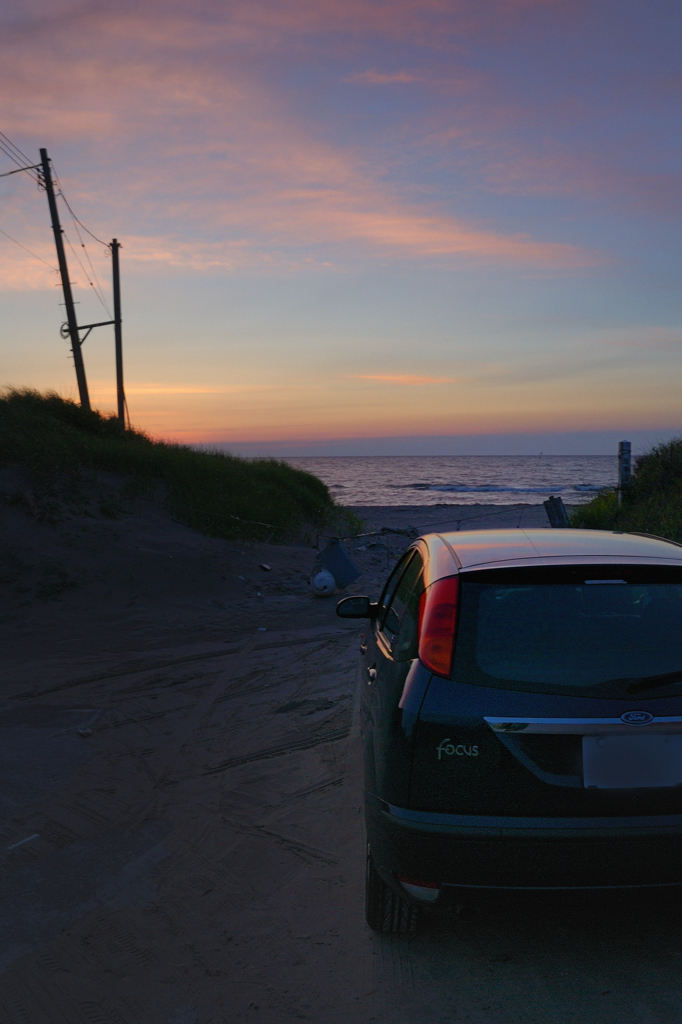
point(385, 910)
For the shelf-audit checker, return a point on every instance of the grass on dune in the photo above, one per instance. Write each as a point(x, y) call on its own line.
point(60, 448)
point(652, 504)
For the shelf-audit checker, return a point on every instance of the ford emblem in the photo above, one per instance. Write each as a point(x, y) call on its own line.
point(636, 718)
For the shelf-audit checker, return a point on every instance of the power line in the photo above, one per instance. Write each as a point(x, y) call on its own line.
point(76, 222)
point(17, 156)
point(17, 170)
point(60, 193)
point(76, 256)
point(21, 164)
point(29, 251)
point(8, 150)
point(86, 275)
point(8, 142)
point(98, 287)
point(11, 150)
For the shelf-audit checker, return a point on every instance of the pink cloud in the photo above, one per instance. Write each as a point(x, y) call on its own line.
point(228, 158)
point(383, 78)
point(20, 271)
point(265, 23)
point(208, 166)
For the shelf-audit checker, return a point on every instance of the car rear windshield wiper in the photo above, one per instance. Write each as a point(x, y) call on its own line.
point(638, 685)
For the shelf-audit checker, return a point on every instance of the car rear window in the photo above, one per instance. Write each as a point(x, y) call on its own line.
point(605, 632)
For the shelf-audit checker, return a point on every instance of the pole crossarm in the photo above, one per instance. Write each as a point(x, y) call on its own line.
point(102, 323)
point(65, 332)
point(31, 167)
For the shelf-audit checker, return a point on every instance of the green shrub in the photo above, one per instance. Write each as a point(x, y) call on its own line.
point(599, 514)
point(59, 445)
point(658, 473)
point(652, 504)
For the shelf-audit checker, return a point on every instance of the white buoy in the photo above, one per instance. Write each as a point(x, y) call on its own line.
point(323, 583)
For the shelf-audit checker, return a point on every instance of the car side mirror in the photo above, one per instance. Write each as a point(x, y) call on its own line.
point(356, 608)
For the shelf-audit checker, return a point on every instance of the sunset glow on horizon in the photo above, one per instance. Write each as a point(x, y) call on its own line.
point(354, 220)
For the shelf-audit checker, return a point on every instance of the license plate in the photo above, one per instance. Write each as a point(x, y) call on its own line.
point(632, 762)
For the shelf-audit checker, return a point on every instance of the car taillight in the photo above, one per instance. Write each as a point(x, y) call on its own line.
point(437, 621)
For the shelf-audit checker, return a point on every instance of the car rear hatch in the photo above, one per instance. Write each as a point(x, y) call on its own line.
point(562, 696)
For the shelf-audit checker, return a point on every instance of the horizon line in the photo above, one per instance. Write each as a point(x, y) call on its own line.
point(574, 444)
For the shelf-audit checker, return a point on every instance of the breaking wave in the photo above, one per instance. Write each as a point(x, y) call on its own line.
point(496, 488)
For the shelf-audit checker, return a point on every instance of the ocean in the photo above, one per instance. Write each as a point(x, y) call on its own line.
point(461, 479)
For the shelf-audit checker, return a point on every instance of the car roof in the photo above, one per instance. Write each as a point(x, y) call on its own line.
point(485, 549)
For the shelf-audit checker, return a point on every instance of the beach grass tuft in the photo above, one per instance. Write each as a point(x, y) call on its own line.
point(62, 450)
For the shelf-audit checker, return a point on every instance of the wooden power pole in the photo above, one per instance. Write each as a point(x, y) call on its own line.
point(120, 393)
point(66, 284)
point(624, 468)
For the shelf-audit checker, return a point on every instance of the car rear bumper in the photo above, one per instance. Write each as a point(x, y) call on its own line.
point(527, 853)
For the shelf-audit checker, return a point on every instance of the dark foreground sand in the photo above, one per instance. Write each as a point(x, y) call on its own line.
point(180, 807)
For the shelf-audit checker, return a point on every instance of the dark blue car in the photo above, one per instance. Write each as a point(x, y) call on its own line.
point(521, 717)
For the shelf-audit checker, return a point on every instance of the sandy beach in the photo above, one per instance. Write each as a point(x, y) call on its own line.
point(181, 801)
point(436, 518)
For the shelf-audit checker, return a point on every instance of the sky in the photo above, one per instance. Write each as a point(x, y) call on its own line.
point(354, 226)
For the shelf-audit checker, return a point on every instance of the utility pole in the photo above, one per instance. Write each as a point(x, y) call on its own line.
point(66, 284)
point(120, 393)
